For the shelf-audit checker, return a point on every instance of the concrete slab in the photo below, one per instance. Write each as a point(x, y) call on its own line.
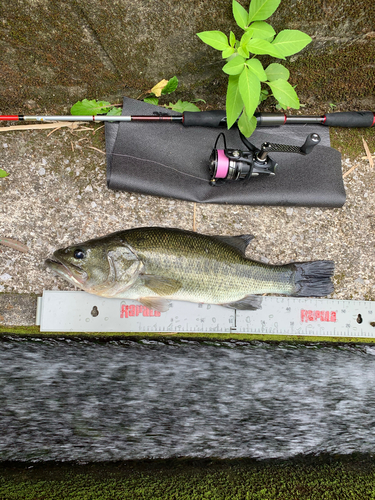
point(56, 195)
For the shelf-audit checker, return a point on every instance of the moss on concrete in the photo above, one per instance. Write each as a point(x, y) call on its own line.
point(34, 331)
point(349, 141)
point(340, 74)
point(95, 49)
point(306, 479)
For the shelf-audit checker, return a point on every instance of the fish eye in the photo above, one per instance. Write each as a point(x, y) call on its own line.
point(79, 254)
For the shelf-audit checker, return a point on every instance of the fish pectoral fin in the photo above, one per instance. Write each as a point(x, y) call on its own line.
point(157, 303)
point(249, 303)
point(238, 242)
point(160, 285)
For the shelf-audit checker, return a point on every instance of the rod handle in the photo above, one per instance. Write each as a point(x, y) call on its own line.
point(350, 119)
point(215, 118)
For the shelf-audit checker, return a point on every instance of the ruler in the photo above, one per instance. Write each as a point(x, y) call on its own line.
point(60, 311)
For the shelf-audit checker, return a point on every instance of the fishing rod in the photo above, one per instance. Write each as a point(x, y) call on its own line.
point(217, 118)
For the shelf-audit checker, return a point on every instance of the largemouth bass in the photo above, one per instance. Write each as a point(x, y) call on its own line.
point(154, 265)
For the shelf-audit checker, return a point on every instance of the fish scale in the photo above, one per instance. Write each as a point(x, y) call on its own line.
point(197, 257)
point(154, 265)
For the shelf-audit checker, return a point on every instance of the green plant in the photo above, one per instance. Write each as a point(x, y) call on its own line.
point(246, 72)
point(164, 87)
point(93, 107)
point(3, 173)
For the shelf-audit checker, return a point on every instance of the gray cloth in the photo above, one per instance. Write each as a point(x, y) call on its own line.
point(170, 160)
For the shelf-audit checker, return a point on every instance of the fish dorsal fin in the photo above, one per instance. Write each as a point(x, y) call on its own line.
point(161, 285)
point(238, 242)
point(248, 303)
point(157, 303)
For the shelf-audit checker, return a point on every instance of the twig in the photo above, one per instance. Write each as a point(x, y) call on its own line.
point(350, 170)
point(101, 126)
point(369, 157)
point(194, 227)
point(52, 131)
point(16, 245)
point(55, 125)
point(96, 149)
point(83, 129)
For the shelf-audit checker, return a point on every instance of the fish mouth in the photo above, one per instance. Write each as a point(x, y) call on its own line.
point(72, 273)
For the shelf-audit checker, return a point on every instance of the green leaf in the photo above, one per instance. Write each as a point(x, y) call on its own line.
point(93, 107)
point(256, 67)
point(151, 100)
point(232, 39)
point(115, 111)
point(182, 106)
point(171, 86)
point(234, 102)
point(276, 71)
point(281, 106)
point(262, 9)
point(290, 42)
point(263, 95)
point(227, 52)
point(246, 37)
point(240, 14)
point(259, 46)
point(247, 126)
point(3, 173)
point(242, 50)
point(216, 39)
point(261, 29)
point(249, 86)
point(284, 93)
point(234, 66)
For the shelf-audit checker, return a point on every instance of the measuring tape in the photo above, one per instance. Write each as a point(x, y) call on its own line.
point(59, 311)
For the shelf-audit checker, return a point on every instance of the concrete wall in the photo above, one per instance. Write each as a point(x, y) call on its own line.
point(53, 53)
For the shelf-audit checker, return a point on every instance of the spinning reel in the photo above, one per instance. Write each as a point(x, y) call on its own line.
point(236, 165)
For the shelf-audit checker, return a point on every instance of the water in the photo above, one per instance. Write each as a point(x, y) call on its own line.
point(119, 400)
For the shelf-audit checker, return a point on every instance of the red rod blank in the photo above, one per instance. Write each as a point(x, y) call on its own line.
point(13, 118)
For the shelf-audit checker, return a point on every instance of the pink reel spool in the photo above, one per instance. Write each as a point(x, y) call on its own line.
point(222, 164)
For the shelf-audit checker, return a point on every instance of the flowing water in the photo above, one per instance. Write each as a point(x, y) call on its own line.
point(117, 400)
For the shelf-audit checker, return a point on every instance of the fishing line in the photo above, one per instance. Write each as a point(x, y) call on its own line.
point(162, 165)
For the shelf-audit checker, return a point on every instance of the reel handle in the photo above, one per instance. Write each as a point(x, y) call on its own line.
point(311, 141)
point(269, 147)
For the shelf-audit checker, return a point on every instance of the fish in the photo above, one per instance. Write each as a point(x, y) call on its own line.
point(155, 265)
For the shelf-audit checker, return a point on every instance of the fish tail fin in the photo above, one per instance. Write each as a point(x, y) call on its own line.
point(313, 279)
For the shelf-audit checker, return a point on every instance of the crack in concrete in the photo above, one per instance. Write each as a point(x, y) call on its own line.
point(93, 35)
